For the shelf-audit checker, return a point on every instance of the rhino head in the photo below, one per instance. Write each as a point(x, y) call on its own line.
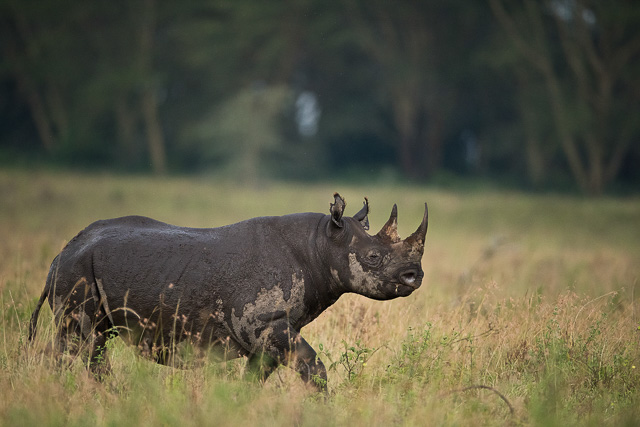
point(382, 266)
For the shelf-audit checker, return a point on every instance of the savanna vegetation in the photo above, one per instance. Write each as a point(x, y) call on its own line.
point(532, 297)
point(205, 113)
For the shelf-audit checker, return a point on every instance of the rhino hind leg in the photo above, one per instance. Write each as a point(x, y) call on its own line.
point(164, 356)
point(76, 338)
point(98, 359)
point(68, 338)
point(82, 331)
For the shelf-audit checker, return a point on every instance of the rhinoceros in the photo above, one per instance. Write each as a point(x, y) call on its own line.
point(244, 289)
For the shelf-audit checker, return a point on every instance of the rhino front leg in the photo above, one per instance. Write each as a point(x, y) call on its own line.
point(285, 346)
point(261, 365)
point(309, 366)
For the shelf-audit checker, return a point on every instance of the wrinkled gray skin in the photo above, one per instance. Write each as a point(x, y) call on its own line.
point(244, 289)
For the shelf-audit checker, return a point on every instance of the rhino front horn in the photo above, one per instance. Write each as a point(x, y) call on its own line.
point(419, 236)
point(389, 231)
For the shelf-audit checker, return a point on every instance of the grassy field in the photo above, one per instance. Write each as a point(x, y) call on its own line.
point(533, 297)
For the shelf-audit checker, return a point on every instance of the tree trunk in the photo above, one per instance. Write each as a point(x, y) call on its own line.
point(155, 140)
point(595, 64)
point(26, 85)
point(533, 153)
point(404, 114)
point(567, 140)
point(596, 166)
point(38, 111)
point(537, 54)
point(59, 116)
point(148, 99)
point(125, 125)
point(433, 143)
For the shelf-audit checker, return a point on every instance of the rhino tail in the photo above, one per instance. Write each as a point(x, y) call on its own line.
point(36, 312)
point(33, 325)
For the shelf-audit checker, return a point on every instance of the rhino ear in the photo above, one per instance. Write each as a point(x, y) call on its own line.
point(362, 215)
point(337, 209)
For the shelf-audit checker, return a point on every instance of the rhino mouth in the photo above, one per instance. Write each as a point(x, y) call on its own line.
point(411, 278)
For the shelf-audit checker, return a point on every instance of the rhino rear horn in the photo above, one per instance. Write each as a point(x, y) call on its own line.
point(337, 209)
point(419, 236)
point(362, 215)
point(389, 231)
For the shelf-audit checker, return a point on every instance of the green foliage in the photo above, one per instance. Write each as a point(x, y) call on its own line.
point(353, 359)
point(419, 356)
point(117, 84)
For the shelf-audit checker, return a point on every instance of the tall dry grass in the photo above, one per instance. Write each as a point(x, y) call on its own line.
point(534, 297)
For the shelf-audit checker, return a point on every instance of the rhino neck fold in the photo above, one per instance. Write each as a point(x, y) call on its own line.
point(327, 286)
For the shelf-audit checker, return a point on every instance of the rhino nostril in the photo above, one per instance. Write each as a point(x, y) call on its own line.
point(409, 277)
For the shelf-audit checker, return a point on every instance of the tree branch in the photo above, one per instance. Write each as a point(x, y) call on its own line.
point(536, 58)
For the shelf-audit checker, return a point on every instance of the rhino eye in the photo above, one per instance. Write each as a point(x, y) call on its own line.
point(374, 257)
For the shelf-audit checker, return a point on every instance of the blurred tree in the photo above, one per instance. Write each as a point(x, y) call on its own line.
point(260, 57)
point(423, 65)
point(402, 38)
point(248, 125)
point(406, 86)
point(126, 82)
point(586, 54)
point(28, 30)
point(148, 97)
